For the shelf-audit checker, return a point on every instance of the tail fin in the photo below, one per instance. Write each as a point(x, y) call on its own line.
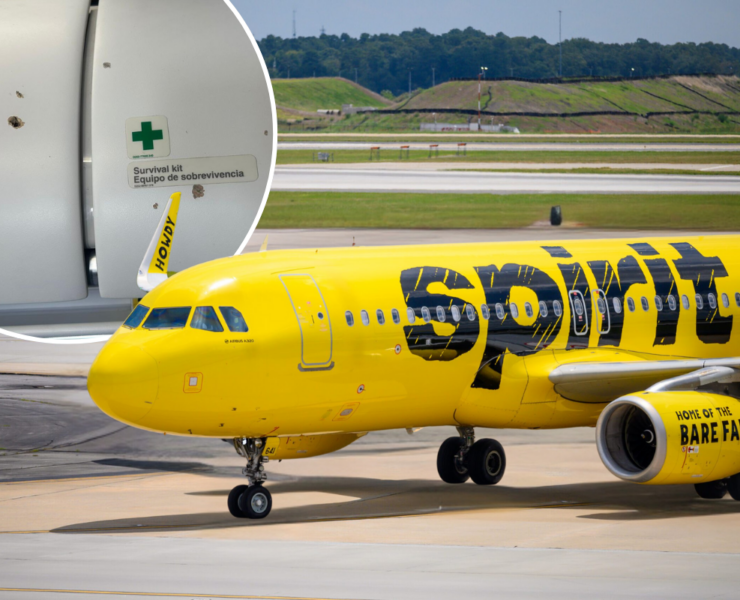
point(153, 269)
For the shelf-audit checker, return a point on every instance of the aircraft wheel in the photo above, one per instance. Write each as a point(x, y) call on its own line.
point(733, 486)
point(486, 462)
point(256, 502)
point(233, 501)
point(449, 466)
point(712, 490)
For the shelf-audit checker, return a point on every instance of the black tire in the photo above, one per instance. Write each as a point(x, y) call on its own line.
point(733, 486)
point(256, 502)
point(233, 501)
point(486, 462)
point(712, 490)
point(449, 466)
point(556, 215)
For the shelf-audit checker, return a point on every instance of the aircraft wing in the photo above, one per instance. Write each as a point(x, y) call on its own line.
point(600, 382)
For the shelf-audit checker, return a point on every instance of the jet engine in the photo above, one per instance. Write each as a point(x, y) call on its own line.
point(665, 437)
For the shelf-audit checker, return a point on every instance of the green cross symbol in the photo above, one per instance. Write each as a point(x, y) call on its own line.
point(146, 136)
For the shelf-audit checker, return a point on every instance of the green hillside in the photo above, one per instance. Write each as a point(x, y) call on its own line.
point(312, 94)
point(680, 104)
point(710, 94)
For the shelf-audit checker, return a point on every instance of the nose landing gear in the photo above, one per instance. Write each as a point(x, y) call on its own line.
point(253, 501)
point(460, 458)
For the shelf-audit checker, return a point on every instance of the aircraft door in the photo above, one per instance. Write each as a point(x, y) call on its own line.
point(313, 321)
point(578, 310)
point(602, 318)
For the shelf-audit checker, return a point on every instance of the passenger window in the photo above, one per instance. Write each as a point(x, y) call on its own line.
point(659, 303)
point(557, 308)
point(600, 305)
point(364, 317)
point(410, 314)
point(645, 304)
point(395, 315)
point(500, 313)
point(205, 318)
point(543, 309)
point(234, 320)
point(737, 298)
point(485, 313)
point(699, 302)
point(528, 309)
point(167, 318)
point(441, 317)
point(631, 304)
point(725, 301)
point(712, 301)
point(381, 317)
point(672, 302)
point(350, 318)
point(425, 314)
point(617, 303)
point(579, 306)
point(455, 313)
point(470, 311)
point(685, 302)
point(514, 310)
point(136, 317)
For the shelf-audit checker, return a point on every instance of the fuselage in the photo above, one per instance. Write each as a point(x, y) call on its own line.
point(361, 339)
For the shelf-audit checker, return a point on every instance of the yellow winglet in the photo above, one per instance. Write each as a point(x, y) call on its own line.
point(153, 269)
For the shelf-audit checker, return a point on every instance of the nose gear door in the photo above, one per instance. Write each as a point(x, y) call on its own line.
point(313, 321)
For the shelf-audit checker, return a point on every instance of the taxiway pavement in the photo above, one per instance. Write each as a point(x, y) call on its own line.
point(330, 179)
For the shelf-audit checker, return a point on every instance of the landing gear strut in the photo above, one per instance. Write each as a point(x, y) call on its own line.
point(252, 501)
point(460, 458)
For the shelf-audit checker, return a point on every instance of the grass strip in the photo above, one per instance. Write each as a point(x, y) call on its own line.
point(511, 139)
point(493, 211)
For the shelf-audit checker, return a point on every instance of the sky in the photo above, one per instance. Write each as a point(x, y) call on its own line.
point(613, 21)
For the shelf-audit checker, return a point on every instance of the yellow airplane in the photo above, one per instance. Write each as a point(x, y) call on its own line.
point(293, 354)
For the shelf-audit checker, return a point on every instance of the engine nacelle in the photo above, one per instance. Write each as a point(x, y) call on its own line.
point(670, 437)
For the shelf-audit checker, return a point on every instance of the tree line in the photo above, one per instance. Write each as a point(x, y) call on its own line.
point(384, 62)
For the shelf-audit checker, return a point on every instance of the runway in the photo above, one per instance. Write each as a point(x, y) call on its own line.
point(330, 179)
point(514, 146)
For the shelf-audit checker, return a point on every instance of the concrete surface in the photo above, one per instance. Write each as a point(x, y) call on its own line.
point(91, 505)
point(307, 178)
point(445, 165)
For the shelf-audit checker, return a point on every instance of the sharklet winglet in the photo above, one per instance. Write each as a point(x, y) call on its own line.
point(153, 269)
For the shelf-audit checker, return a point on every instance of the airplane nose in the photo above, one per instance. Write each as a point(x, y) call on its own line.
point(123, 382)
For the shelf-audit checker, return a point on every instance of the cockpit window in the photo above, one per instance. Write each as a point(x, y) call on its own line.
point(234, 320)
point(167, 318)
point(205, 318)
point(136, 316)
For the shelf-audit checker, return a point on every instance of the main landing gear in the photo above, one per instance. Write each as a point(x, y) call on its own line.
point(715, 490)
point(251, 501)
point(460, 458)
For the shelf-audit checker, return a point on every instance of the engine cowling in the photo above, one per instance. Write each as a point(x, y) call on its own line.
point(670, 437)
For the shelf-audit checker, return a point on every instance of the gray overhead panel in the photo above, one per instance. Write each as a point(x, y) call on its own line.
point(180, 102)
point(41, 50)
